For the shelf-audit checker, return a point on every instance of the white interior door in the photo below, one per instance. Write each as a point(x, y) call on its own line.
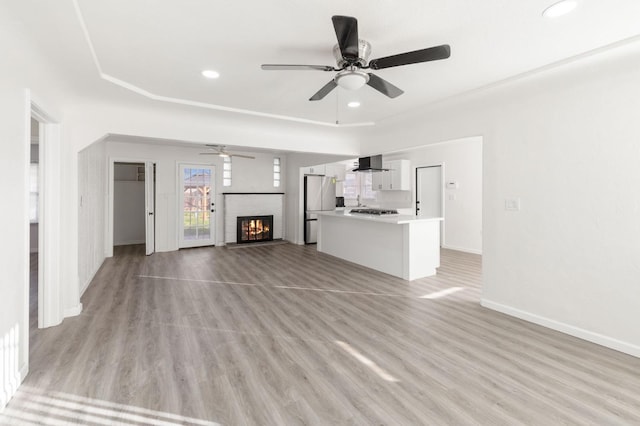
point(429, 193)
point(197, 206)
point(150, 206)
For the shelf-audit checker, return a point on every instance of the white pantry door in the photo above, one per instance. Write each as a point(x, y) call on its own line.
point(197, 206)
point(150, 206)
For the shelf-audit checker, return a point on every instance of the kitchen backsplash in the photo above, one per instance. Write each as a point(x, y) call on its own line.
point(394, 199)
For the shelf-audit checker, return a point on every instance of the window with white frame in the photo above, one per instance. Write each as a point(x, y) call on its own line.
point(226, 171)
point(358, 187)
point(276, 172)
point(366, 186)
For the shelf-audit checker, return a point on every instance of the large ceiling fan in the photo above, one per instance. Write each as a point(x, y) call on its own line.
point(352, 54)
point(221, 151)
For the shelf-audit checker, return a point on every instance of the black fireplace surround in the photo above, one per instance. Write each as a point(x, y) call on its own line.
point(253, 229)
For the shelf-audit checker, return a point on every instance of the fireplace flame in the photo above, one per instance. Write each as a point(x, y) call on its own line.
point(254, 229)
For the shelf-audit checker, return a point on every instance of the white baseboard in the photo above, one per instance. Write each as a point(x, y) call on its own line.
point(609, 342)
point(74, 311)
point(464, 249)
point(299, 243)
point(129, 242)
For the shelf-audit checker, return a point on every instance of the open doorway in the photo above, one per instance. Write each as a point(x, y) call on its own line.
point(134, 204)
point(44, 295)
point(34, 218)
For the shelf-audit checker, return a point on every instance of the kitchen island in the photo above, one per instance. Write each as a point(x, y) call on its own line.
point(405, 246)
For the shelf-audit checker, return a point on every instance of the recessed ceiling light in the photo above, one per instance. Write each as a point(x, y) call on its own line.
point(560, 8)
point(353, 104)
point(211, 73)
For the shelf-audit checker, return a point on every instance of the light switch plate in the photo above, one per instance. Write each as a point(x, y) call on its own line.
point(512, 204)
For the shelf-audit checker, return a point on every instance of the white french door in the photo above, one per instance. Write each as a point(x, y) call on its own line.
point(196, 205)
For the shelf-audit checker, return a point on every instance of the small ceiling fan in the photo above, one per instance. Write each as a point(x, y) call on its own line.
point(221, 151)
point(352, 54)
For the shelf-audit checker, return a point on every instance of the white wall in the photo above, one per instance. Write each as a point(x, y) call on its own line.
point(462, 162)
point(92, 220)
point(25, 77)
point(14, 252)
point(564, 141)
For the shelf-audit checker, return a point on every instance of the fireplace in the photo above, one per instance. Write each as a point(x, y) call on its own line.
point(252, 229)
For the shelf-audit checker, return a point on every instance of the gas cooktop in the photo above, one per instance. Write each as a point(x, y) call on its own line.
point(374, 211)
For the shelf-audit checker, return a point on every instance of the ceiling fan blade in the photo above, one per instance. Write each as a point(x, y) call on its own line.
point(383, 86)
point(242, 156)
point(324, 91)
point(347, 33)
point(417, 56)
point(208, 153)
point(280, 67)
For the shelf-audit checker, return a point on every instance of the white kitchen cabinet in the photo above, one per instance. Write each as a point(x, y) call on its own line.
point(398, 178)
point(405, 246)
point(314, 170)
point(338, 172)
point(335, 170)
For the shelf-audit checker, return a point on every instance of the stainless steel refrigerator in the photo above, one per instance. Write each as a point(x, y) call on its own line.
point(319, 195)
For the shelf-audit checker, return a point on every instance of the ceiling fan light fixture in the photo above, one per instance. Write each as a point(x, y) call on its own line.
point(351, 79)
point(353, 104)
point(560, 8)
point(211, 74)
point(223, 155)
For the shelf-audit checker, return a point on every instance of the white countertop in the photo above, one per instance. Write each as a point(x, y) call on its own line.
point(398, 219)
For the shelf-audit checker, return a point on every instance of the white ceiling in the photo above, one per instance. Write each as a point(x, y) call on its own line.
point(158, 48)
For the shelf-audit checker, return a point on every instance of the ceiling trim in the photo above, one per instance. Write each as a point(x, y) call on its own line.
point(523, 76)
point(180, 101)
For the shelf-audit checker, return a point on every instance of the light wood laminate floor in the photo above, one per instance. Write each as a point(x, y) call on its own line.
point(283, 335)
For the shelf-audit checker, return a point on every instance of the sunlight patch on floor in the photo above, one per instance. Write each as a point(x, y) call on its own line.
point(58, 408)
point(366, 361)
point(442, 293)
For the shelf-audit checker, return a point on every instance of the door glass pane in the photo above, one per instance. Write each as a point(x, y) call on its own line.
point(197, 203)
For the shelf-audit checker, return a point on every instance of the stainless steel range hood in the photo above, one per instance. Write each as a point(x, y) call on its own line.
point(370, 164)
